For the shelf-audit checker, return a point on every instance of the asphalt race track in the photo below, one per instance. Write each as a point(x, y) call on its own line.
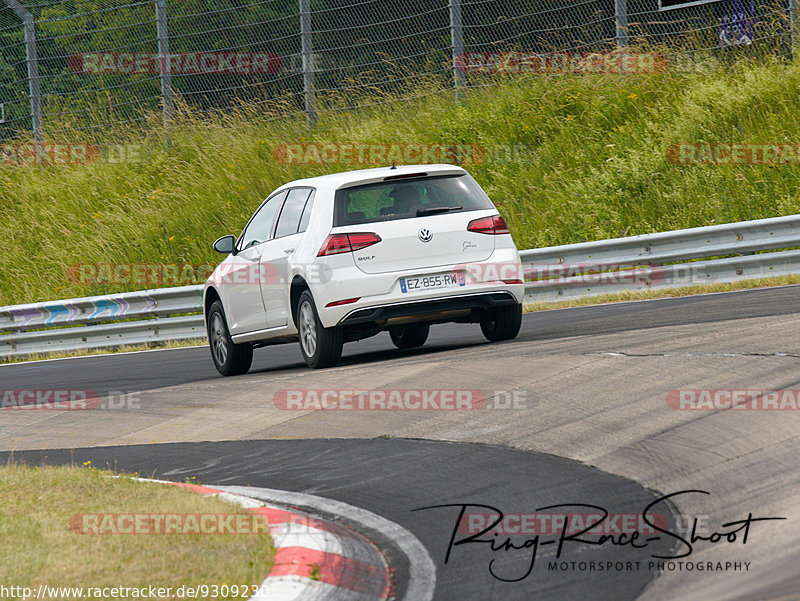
point(591, 425)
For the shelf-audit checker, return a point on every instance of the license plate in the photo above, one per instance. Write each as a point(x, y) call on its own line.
point(432, 282)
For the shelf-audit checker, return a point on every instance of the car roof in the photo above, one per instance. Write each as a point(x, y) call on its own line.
point(346, 179)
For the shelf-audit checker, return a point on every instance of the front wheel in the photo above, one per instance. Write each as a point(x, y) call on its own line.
point(504, 324)
point(410, 336)
point(321, 346)
point(230, 359)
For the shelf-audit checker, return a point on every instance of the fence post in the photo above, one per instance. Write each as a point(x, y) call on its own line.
point(793, 32)
point(621, 20)
point(457, 43)
point(164, 67)
point(309, 68)
point(32, 60)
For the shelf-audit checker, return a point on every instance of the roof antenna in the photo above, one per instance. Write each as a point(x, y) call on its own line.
point(393, 166)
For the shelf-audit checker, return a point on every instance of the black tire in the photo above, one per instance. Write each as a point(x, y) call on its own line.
point(504, 323)
point(320, 346)
point(410, 336)
point(229, 358)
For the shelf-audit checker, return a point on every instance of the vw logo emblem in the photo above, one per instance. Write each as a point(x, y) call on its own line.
point(425, 235)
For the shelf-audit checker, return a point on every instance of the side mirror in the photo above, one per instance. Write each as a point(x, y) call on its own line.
point(224, 245)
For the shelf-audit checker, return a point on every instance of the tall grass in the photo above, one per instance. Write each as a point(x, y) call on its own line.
point(589, 163)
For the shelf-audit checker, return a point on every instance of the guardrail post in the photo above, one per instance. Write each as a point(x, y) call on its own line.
point(32, 60)
point(309, 68)
point(165, 68)
point(621, 20)
point(457, 44)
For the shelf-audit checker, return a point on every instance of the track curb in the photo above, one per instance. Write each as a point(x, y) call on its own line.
point(324, 549)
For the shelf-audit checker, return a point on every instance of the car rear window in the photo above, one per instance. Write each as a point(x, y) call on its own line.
point(407, 198)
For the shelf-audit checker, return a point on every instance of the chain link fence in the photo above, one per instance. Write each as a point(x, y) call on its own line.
point(87, 65)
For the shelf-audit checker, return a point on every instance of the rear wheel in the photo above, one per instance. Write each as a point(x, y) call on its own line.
point(410, 336)
point(504, 324)
point(230, 359)
point(321, 346)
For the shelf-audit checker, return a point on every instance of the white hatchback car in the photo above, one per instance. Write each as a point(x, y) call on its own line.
point(339, 258)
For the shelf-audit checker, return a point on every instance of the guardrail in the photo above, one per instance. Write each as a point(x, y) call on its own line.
point(664, 260)
point(764, 248)
point(159, 315)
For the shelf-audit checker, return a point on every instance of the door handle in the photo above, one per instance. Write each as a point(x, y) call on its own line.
point(288, 251)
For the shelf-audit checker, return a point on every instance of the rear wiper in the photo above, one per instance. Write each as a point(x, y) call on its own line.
point(435, 210)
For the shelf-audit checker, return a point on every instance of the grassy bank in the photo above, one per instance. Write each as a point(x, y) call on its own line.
point(46, 543)
point(567, 158)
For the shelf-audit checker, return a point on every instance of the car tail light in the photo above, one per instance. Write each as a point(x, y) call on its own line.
point(492, 225)
point(363, 240)
point(346, 243)
point(346, 301)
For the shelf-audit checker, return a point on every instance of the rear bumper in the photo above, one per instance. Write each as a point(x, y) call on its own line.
point(384, 290)
point(429, 308)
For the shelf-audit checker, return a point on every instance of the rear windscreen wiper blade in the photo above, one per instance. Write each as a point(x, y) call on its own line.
point(434, 210)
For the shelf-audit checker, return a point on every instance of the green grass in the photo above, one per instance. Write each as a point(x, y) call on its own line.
point(44, 544)
point(594, 167)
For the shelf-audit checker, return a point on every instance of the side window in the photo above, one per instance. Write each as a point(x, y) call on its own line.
point(260, 226)
point(289, 220)
point(307, 212)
